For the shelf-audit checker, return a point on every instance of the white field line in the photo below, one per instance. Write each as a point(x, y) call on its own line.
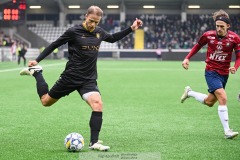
point(18, 69)
point(111, 69)
point(147, 69)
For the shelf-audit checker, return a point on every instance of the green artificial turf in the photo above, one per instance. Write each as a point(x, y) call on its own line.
point(142, 114)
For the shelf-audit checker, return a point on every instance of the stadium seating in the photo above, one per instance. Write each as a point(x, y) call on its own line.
point(161, 31)
point(51, 33)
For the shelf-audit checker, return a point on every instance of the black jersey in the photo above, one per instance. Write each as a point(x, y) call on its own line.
point(83, 49)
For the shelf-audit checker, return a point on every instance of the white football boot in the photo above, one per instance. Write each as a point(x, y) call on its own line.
point(30, 70)
point(185, 94)
point(98, 146)
point(230, 134)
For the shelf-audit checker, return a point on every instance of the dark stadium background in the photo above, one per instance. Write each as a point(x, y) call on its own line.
point(164, 26)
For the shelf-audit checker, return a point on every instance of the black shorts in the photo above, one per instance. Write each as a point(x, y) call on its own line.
point(62, 88)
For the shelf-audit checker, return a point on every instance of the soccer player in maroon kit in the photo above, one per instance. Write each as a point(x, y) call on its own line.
point(221, 43)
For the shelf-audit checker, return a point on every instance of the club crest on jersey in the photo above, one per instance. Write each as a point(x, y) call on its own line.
point(227, 44)
point(219, 47)
point(97, 35)
point(212, 41)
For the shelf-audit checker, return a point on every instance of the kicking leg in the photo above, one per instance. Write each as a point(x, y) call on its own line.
point(42, 86)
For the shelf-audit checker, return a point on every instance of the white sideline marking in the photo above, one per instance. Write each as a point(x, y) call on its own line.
point(9, 70)
point(112, 69)
point(18, 69)
point(147, 69)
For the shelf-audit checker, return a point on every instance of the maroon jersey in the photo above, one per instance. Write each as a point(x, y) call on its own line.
point(219, 51)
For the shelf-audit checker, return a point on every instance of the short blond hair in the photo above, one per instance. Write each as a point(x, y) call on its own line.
point(220, 13)
point(95, 10)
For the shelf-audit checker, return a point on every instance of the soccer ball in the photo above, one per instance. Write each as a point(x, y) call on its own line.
point(74, 142)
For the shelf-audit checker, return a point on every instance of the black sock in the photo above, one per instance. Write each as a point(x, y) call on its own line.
point(95, 125)
point(42, 86)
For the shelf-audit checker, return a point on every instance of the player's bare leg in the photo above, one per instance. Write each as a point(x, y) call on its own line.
point(47, 100)
point(95, 102)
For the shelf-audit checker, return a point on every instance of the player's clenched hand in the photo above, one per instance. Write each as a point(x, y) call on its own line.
point(185, 63)
point(232, 70)
point(32, 63)
point(137, 23)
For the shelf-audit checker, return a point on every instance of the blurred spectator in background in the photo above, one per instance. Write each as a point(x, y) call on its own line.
point(4, 42)
point(55, 53)
point(159, 54)
point(41, 49)
point(14, 50)
point(22, 50)
point(169, 47)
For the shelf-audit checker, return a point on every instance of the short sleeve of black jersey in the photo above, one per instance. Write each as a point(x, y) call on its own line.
point(64, 38)
point(116, 36)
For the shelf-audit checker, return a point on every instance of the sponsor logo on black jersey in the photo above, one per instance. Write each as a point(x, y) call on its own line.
point(95, 48)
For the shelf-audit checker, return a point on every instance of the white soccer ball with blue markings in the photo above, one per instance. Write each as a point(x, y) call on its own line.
point(74, 142)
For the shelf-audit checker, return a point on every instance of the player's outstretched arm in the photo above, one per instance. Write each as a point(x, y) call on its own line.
point(185, 64)
point(136, 24)
point(119, 35)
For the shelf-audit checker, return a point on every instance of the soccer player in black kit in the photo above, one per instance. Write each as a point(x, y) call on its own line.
point(81, 71)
